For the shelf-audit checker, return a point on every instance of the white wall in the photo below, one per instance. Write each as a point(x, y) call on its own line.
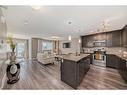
point(75, 46)
point(3, 25)
point(3, 33)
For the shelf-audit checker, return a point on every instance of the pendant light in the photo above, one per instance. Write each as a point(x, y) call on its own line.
point(79, 40)
point(69, 38)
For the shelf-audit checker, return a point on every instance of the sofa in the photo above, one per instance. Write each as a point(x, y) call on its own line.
point(45, 58)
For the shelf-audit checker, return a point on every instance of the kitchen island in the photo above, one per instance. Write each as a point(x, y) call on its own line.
point(74, 68)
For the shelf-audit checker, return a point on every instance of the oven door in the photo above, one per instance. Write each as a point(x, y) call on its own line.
point(99, 59)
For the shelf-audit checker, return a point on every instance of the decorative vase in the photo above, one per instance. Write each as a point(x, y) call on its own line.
point(13, 69)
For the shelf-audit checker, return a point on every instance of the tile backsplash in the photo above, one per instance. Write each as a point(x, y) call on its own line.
point(116, 50)
point(109, 50)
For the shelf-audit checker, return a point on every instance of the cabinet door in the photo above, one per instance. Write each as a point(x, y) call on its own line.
point(109, 39)
point(81, 71)
point(124, 37)
point(111, 61)
point(100, 37)
point(122, 64)
point(123, 69)
point(84, 41)
point(90, 39)
point(68, 72)
point(116, 38)
point(87, 64)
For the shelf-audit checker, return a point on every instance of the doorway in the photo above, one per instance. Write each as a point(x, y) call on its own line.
point(20, 50)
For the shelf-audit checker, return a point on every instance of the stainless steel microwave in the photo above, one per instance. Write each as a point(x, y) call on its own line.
point(99, 43)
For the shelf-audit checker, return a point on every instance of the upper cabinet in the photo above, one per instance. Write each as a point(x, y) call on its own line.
point(124, 36)
point(93, 40)
point(109, 39)
point(84, 41)
point(114, 38)
point(87, 41)
point(100, 37)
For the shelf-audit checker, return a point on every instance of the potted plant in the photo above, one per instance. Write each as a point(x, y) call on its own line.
point(13, 68)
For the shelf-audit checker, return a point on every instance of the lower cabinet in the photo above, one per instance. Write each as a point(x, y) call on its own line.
point(118, 63)
point(68, 72)
point(83, 68)
point(123, 69)
point(72, 73)
point(111, 61)
point(91, 58)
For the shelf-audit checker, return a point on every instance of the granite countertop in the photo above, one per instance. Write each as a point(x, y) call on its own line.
point(124, 58)
point(119, 55)
point(88, 53)
point(73, 57)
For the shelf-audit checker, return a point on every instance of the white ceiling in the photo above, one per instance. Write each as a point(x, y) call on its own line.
point(53, 20)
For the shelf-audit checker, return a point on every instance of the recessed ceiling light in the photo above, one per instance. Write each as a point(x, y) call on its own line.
point(55, 37)
point(69, 22)
point(36, 7)
point(25, 22)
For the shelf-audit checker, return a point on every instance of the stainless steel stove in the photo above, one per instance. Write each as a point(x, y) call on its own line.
point(99, 57)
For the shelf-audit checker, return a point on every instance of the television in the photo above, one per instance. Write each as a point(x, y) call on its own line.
point(66, 45)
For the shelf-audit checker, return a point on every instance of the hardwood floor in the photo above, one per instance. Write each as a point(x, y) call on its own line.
point(36, 76)
point(103, 78)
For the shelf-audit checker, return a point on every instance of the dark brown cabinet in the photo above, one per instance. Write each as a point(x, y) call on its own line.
point(124, 37)
point(111, 61)
point(73, 72)
point(118, 63)
point(114, 38)
point(100, 37)
point(122, 64)
point(84, 41)
point(83, 67)
point(109, 39)
point(88, 41)
point(123, 69)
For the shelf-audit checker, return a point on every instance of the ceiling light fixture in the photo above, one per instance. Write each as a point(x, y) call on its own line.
point(79, 40)
point(70, 22)
point(69, 38)
point(25, 22)
point(36, 7)
point(55, 37)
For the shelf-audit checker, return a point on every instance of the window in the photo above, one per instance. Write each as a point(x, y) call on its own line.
point(20, 50)
point(47, 45)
